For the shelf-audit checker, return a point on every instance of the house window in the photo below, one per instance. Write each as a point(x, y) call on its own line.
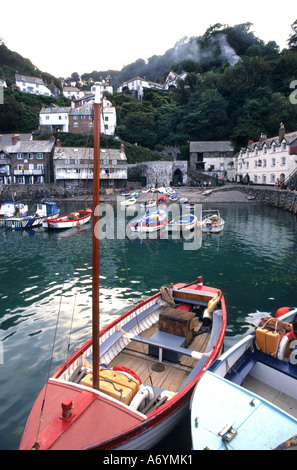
point(31, 156)
point(272, 178)
point(20, 156)
point(77, 161)
point(75, 124)
point(247, 164)
point(264, 179)
point(264, 162)
point(283, 161)
point(265, 149)
point(106, 118)
point(75, 118)
point(20, 180)
point(273, 162)
point(40, 156)
point(67, 161)
point(40, 166)
point(47, 118)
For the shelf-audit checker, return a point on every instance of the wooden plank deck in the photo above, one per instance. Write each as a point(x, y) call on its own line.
point(135, 356)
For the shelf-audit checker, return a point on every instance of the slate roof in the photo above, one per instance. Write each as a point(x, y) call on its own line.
point(25, 78)
point(5, 139)
point(33, 146)
point(211, 146)
point(62, 153)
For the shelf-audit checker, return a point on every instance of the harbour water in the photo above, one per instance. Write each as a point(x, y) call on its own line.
point(46, 277)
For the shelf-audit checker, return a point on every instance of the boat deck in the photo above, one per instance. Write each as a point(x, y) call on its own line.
point(278, 398)
point(166, 375)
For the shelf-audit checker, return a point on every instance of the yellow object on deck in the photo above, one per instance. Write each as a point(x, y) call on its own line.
point(268, 341)
point(115, 384)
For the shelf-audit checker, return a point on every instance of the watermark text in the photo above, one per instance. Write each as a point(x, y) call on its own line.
point(136, 221)
point(293, 95)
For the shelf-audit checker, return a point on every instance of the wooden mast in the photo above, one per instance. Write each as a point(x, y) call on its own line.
point(95, 255)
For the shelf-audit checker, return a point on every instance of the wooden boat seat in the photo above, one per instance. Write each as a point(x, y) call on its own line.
point(162, 343)
point(163, 338)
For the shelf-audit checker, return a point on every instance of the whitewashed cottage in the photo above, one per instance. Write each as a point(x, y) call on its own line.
point(269, 161)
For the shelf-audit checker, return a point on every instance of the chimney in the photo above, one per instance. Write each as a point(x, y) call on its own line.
point(58, 143)
point(282, 132)
point(122, 148)
point(263, 137)
point(15, 138)
point(33, 136)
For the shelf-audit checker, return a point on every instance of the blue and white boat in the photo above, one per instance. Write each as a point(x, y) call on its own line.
point(184, 222)
point(10, 209)
point(149, 222)
point(43, 210)
point(247, 400)
point(174, 197)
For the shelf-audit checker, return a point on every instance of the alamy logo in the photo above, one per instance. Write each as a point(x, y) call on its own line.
point(293, 95)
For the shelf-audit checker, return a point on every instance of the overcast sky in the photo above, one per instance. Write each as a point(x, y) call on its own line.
point(61, 38)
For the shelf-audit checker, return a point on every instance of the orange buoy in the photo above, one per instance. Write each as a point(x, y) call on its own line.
point(281, 311)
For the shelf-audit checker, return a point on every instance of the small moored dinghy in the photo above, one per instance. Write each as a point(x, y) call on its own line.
point(151, 358)
point(184, 222)
point(74, 219)
point(247, 400)
point(149, 222)
point(212, 222)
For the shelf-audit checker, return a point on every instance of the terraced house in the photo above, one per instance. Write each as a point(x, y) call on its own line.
point(269, 161)
point(73, 167)
point(27, 162)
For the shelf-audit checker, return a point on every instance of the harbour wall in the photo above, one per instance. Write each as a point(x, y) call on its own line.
point(271, 196)
point(284, 199)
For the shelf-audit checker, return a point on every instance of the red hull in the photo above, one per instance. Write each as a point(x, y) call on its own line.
point(96, 421)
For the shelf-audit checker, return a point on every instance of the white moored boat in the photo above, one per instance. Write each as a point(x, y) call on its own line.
point(184, 222)
point(74, 219)
point(212, 221)
point(247, 400)
point(149, 222)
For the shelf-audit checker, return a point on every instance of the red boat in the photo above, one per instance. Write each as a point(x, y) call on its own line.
point(130, 384)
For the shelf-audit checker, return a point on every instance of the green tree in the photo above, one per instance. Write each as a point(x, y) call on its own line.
point(292, 41)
